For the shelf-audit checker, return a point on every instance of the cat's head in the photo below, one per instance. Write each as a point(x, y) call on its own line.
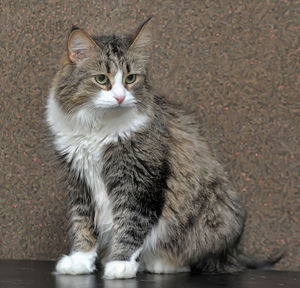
point(105, 74)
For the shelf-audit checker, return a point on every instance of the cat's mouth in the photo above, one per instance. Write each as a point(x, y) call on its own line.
point(114, 109)
point(116, 106)
point(90, 109)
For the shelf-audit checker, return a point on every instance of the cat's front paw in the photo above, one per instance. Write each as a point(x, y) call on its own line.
point(77, 263)
point(120, 269)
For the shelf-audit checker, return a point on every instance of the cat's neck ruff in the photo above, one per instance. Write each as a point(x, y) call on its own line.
point(110, 124)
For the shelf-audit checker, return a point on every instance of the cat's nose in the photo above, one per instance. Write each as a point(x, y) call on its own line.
point(120, 98)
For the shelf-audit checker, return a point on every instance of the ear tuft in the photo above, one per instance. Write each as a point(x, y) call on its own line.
point(142, 41)
point(80, 46)
point(74, 27)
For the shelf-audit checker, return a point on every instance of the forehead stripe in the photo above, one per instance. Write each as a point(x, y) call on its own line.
point(107, 67)
point(128, 68)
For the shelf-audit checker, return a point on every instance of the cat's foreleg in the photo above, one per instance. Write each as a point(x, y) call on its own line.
point(135, 188)
point(130, 230)
point(83, 254)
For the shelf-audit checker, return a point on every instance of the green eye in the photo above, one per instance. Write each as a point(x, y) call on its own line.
point(102, 79)
point(130, 79)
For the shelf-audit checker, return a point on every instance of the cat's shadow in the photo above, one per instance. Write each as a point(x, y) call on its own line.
point(143, 280)
point(92, 281)
point(75, 281)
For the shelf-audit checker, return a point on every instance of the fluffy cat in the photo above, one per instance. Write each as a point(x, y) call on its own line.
point(144, 190)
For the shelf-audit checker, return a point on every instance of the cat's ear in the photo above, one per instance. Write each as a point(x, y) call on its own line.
point(142, 40)
point(80, 46)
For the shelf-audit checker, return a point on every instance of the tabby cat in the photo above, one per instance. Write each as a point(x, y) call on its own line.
point(144, 190)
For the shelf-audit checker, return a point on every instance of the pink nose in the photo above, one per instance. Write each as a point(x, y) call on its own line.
point(120, 98)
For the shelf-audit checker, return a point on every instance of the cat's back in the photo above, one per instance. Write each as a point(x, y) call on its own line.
point(179, 118)
point(183, 125)
point(189, 152)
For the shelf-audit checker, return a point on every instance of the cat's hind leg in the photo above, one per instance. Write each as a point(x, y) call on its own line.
point(158, 265)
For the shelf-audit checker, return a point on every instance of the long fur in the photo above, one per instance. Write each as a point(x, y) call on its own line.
point(143, 186)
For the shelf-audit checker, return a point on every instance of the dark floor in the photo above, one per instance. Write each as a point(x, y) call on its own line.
point(37, 274)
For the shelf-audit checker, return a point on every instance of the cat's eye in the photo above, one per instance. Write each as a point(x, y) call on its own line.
point(102, 79)
point(130, 79)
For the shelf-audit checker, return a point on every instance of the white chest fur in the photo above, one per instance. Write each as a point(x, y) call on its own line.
point(82, 138)
point(85, 151)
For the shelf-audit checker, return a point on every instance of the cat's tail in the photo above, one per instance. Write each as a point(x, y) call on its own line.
point(250, 262)
point(236, 261)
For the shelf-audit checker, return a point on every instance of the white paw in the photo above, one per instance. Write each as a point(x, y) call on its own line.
point(120, 269)
point(77, 263)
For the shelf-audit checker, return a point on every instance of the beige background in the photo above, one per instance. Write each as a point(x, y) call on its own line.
point(235, 62)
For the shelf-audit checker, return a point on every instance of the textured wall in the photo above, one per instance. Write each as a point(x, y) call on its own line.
point(235, 62)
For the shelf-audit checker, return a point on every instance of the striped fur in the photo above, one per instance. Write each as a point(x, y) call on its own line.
point(143, 186)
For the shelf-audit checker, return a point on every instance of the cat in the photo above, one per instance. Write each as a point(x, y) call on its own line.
point(145, 192)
